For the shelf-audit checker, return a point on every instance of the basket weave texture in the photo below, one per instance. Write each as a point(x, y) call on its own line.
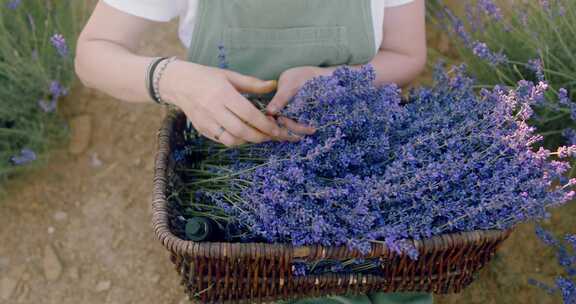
point(261, 273)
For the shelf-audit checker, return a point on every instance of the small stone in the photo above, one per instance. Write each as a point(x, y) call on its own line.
point(52, 264)
point(7, 287)
point(81, 132)
point(95, 161)
point(51, 230)
point(60, 216)
point(137, 162)
point(103, 286)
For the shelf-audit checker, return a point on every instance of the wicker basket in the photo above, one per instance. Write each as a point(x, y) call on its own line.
point(256, 273)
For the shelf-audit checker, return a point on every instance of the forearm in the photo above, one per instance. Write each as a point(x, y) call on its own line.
point(392, 67)
point(112, 69)
point(398, 68)
point(402, 53)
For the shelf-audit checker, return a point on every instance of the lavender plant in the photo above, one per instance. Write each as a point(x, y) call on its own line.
point(564, 285)
point(507, 41)
point(380, 171)
point(36, 68)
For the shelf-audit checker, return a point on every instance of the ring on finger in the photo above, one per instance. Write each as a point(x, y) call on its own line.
point(221, 131)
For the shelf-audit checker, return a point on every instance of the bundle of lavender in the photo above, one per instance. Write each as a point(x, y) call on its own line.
point(379, 170)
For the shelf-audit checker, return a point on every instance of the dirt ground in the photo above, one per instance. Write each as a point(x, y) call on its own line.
point(78, 230)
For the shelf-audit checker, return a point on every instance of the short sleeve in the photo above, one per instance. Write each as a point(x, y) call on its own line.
point(155, 10)
point(392, 3)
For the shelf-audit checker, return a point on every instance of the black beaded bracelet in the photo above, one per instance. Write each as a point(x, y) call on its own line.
point(158, 76)
point(150, 78)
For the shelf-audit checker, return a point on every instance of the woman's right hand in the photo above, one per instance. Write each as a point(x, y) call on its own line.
point(211, 99)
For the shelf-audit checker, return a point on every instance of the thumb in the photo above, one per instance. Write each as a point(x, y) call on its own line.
point(249, 84)
point(280, 99)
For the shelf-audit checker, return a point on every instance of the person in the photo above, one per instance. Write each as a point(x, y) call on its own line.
point(271, 47)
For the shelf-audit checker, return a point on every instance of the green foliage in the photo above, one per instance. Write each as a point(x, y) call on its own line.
point(28, 65)
point(527, 30)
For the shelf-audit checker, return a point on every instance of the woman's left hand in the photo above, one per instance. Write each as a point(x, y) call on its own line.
point(288, 85)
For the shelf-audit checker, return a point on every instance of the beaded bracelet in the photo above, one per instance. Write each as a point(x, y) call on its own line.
point(156, 76)
point(149, 76)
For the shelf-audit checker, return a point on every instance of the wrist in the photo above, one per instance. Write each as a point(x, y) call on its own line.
point(169, 82)
point(325, 71)
point(316, 71)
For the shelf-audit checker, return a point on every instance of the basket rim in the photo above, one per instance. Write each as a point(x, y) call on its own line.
point(179, 246)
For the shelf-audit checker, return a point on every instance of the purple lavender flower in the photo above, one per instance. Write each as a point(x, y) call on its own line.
point(24, 157)
point(536, 66)
point(59, 42)
point(568, 289)
point(473, 20)
point(458, 27)
point(566, 152)
point(13, 4)
point(222, 58)
point(563, 96)
point(48, 106)
point(490, 9)
point(561, 10)
point(546, 237)
point(56, 91)
point(545, 4)
point(479, 49)
point(482, 51)
point(565, 285)
point(571, 239)
point(547, 288)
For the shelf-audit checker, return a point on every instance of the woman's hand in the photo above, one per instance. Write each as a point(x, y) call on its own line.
point(212, 100)
point(288, 85)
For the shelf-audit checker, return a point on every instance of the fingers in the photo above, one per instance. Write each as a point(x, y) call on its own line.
point(296, 127)
point(244, 110)
point(281, 99)
point(214, 131)
point(239, 128)
point(229, 140)
point(251, 85)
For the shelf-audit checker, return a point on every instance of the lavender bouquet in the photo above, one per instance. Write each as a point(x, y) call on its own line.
point(379, 170)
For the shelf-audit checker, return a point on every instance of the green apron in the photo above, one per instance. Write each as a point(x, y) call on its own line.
point(263, 38)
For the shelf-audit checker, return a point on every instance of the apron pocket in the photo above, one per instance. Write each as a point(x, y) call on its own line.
point(264, 52)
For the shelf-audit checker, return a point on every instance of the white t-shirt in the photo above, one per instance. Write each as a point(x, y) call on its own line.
point(166, 10)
